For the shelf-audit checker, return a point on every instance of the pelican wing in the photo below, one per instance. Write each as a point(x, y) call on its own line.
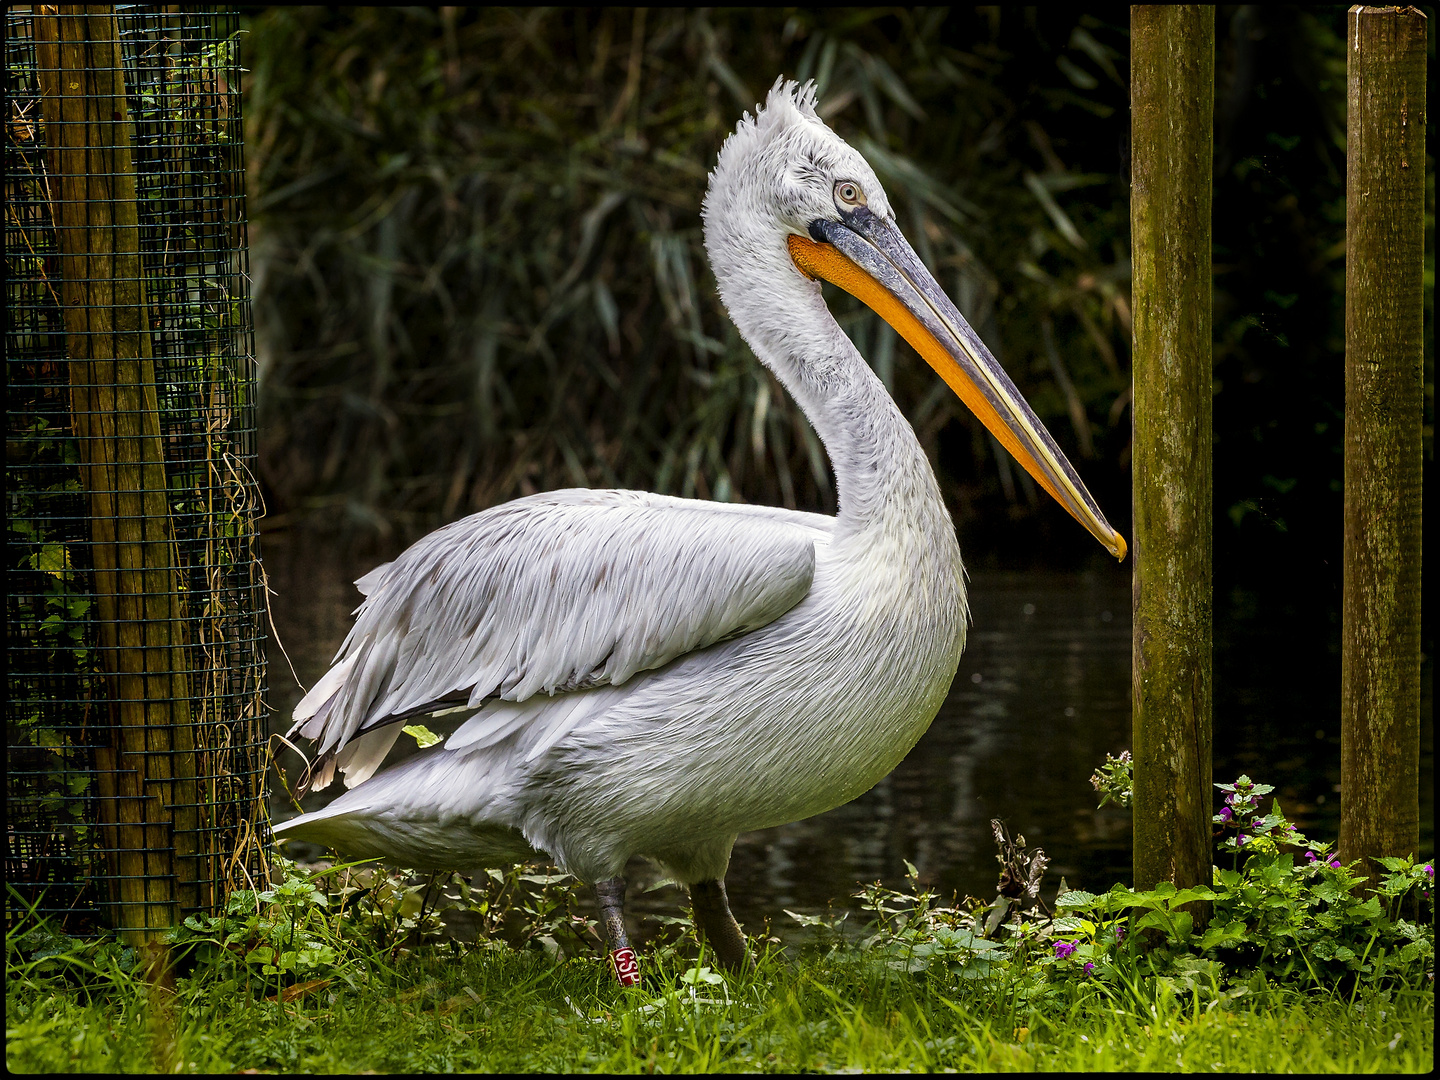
point(558, 592)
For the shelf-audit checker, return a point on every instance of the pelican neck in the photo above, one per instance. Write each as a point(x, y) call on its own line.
point(883, 478)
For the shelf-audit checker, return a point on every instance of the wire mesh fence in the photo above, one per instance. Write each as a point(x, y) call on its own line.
point(135, 601)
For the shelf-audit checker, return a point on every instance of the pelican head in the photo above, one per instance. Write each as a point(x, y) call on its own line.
point(791, 203)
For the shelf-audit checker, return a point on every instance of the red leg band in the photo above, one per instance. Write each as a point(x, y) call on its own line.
point(626, 966)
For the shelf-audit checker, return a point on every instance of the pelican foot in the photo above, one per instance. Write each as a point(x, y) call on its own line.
point(610, 898)
point(718, 925)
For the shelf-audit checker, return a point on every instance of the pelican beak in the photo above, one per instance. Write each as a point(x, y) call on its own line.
point(870, 258)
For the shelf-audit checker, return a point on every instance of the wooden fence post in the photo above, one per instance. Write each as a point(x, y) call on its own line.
point(1172, 92)
point(1385, 247)
point(148, 795)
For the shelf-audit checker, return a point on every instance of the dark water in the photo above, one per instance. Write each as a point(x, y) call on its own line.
point(1042, 693)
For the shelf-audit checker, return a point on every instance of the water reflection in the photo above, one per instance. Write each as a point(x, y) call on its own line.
point(1042, 693)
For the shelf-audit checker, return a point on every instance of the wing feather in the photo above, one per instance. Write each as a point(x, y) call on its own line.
point(566, 591)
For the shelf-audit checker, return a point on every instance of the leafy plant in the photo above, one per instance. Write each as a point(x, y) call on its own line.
point(1115, 779)
point(1275, 919)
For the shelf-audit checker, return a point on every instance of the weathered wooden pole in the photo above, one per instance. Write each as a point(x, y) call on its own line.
point(1172, 91)
point(1384, 259)
point(146, 775)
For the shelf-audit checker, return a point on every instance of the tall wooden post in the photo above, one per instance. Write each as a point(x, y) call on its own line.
point(1385, 245)
point(146, 776)
point(1172, 91)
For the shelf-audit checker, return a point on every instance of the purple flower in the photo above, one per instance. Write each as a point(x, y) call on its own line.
point(1063, 949)
point(1240, 840)
point(1089, 966)
point(1226, 813)
point(1430, 870)
point(1310, 855)
point(1119, 934)
point(1334, 864)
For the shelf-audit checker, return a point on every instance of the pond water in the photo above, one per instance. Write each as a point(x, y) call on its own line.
point(1042, 693)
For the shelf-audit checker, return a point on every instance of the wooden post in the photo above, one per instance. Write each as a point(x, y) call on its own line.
point(1385, 245)
point(1172, 91)
point(148, 795)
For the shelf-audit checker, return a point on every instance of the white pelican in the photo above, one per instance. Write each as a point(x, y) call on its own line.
point(650, 675)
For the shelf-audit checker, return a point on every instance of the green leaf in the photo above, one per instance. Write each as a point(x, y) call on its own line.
point(805, 920)
point(1075, 898)
point(1330, 891)
point(1370, 909)
point(1154, 920)
point(1229, 934)
point(1269, 870)
point(52, 559)
point(1416, 949)
point(421, 734)
point(1190, 895)
point(1392, 863)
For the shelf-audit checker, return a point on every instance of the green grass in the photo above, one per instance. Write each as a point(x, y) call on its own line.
point(502, 1011)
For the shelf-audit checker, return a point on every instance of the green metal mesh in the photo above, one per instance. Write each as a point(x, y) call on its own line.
point(182, 83)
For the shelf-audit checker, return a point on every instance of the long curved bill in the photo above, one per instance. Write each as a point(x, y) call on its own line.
point(870, 258)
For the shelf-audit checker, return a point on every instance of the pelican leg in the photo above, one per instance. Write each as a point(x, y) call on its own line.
point(718, 925)
point(610, 898)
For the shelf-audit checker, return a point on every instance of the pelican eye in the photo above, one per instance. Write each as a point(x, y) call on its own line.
point(848, 192)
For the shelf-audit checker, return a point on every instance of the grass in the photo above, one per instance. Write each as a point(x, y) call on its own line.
point(497, 1010)
point(349, 967)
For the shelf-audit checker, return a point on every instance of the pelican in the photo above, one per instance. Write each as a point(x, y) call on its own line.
point(649, 675)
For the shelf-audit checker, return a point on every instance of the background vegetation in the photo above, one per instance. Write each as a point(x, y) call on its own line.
point(480, 270)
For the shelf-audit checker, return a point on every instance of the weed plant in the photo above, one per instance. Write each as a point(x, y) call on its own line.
point(345, 968)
